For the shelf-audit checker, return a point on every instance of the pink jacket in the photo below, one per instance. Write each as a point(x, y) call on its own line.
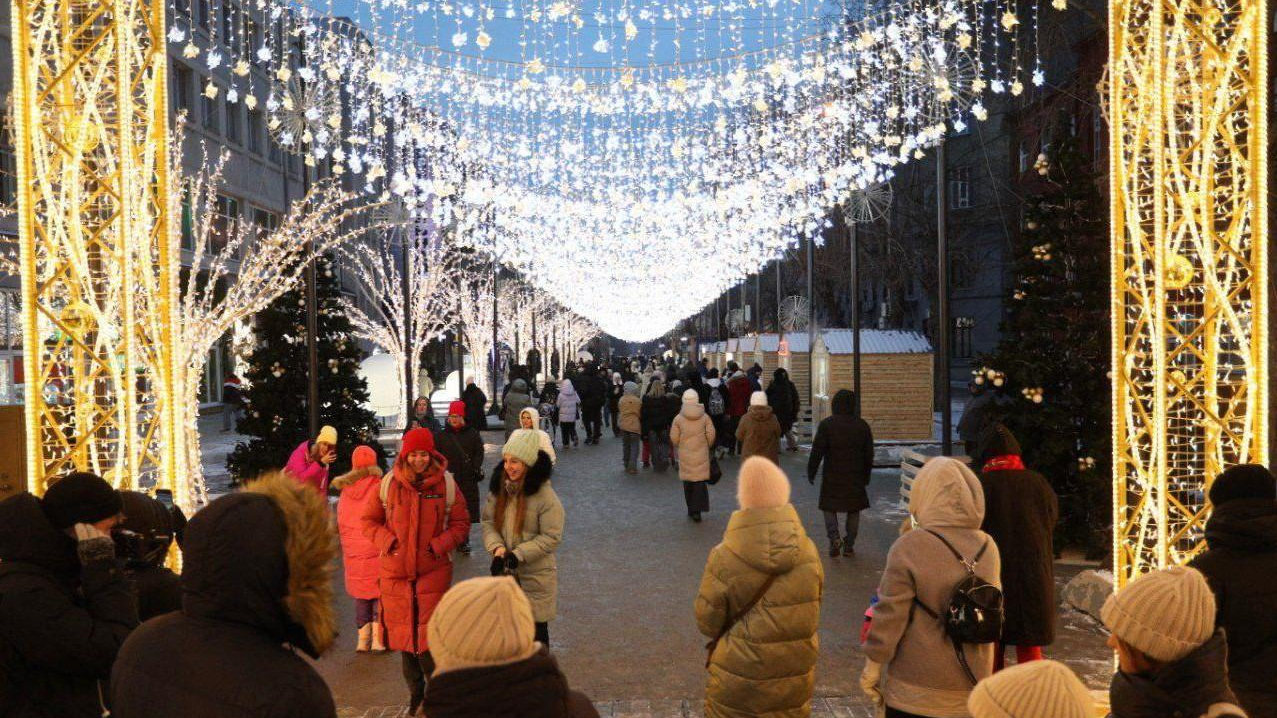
point(311, 473)
point(358, 554)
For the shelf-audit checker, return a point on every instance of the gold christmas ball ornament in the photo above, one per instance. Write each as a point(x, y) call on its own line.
point(1179, 273)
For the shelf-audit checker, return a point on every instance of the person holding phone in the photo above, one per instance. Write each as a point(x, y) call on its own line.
point(310, 460)
point(66, 604)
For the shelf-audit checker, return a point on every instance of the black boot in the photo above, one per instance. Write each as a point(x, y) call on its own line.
point(696, 516)
point(835, 548)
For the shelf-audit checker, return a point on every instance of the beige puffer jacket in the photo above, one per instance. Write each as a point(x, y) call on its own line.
point(923, 674)
point(693, 435)
point(766, 664)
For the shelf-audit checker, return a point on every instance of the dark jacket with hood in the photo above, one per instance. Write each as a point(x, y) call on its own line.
point(533, 688)
point(150, 527)
point(593, 391)
point(1241, 568)
point(845, 444)
point(476, 407)
point(61, 624)
point(518, 399)
point(782, 397)
point(1195, 686)
point(1020, 511)
point(257, 586)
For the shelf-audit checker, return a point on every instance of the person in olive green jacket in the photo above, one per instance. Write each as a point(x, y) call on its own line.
point(765, 665)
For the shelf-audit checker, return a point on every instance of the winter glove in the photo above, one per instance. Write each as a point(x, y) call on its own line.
point(498, 566)
point(871, 682)
point(511, 561)
point(92, 545)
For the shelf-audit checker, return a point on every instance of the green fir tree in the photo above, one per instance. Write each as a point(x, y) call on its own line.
point(276, 412)
point(1053, 358)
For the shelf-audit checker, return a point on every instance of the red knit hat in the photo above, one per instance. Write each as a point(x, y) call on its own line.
point(363, 457)
point(417, 440)
point(457, 408)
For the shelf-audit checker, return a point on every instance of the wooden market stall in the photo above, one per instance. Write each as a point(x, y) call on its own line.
point(897, 370)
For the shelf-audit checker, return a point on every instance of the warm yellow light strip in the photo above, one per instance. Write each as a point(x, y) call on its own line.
point(98, 270)
point(1187, 99)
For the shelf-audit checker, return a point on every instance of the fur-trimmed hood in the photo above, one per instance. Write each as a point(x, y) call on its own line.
point(538, 474)
point(263, 557)
point(353, 476)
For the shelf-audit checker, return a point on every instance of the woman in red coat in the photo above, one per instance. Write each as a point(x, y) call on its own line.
point(359, 554)
point(415, 531)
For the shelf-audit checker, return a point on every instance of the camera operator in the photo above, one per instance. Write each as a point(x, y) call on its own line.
point(142, 542)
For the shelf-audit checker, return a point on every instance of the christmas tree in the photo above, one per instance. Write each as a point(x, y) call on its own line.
point(276, 414)
point(1054, 352)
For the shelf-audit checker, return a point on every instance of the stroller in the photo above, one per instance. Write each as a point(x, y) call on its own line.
point(549, 421)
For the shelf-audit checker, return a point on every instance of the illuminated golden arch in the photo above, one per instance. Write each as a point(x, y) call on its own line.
point(1187, 101)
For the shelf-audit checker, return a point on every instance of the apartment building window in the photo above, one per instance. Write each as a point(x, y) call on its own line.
point(960, 339)
point(960, 188)
point(231, 24)
point(265, 220)
point(252, 36)
point(253, 131)
point(188, 221)
point(225, 219)
point(1024, 157)
point(1097, 133)
point(183, 82)
point(202, 13)
point(233, 121)
point(273, 153)
point(212, 109)
point(962, 269)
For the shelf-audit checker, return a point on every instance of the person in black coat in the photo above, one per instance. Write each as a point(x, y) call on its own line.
point(1020, 511)
point(593, 393)
point(463, 448)
point(1240, 566)
point(476, 406)
point(845, 444)
point(256, 587)
point(782, 397)
point(142, 541)
point(615, 390)
point(66, 605)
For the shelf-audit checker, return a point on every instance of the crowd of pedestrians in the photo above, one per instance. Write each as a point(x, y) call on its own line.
point(92, 623)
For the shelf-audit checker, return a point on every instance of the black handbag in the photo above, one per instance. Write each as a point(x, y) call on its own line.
point(715, 471)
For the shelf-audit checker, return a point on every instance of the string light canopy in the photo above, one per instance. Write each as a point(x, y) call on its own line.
point(631, 157)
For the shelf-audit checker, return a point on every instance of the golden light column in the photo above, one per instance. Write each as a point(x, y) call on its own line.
point(1187, 96)
point(98, 269)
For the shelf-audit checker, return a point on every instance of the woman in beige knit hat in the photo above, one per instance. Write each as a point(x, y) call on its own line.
point(1038, 689)
point(924, 676)
point(692, 434)
point(523, 525)
point(487, 663)
point(1172, 661)
point(763, 584)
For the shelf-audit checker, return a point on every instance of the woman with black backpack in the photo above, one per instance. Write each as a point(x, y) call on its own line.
point(946, 561)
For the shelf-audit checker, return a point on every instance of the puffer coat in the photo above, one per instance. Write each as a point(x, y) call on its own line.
point(358, 553)
point(692, 434)
point(630, 406)
point(766, 664)
point(253, 595)
point(569, 402)
point(516, 401)
point(759, 434)
point(535, 546)
point(923, 675)
point(782, 397)
point(416, 535)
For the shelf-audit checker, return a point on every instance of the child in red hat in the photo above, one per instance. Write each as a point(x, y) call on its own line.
point(358, 553)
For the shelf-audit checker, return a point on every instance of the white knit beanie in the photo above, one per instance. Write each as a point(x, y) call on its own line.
point(691, 397)
point(1165, 614)
point(1037, 689)
point(758, 398)
point(481, 622)
point(523, 445)
point(761, 484)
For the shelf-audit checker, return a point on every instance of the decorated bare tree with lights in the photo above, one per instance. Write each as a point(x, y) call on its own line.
point(1054, 353)
point(383, 314)
point(236, 270)
point(472, 289)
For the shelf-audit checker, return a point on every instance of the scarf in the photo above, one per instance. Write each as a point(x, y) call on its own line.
point(509, 489)
point(1008, 462)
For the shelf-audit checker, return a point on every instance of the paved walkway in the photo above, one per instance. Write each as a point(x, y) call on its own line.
point(629, 568)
